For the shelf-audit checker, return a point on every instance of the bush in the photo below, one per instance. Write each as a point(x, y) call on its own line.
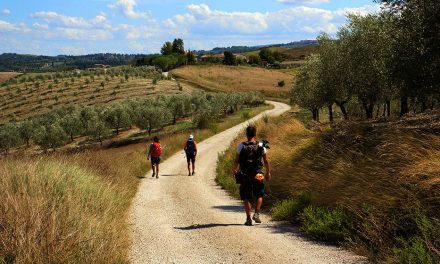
point(414, 251)
point(281, 83)
point(290, 209)
point(245, 115)
point(326, 224)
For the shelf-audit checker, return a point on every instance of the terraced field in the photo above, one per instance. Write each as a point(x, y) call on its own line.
point(21, 100)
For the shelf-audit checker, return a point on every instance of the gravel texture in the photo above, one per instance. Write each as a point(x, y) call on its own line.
point(189, 219)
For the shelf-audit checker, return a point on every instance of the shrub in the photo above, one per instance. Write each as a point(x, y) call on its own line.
point(414, 251)
point(281, 83)
point(245, 114)
point(290, 209)
point(326, 224)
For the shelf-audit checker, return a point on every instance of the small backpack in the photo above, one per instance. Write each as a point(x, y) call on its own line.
point(190, 149)
point(251, 158)
point(156, 150)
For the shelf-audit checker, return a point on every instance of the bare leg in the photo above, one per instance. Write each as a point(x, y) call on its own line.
point(259, 203)
point(157, 170)
point(248, 208)
point(189, 170)
point(153, 168)
point(193, 166)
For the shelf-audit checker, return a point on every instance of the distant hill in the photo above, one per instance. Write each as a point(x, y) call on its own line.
point(245, 49)
point(33, 63)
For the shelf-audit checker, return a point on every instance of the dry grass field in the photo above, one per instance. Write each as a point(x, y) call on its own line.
point(236, 78)
point(4, 76)
point(22, 100)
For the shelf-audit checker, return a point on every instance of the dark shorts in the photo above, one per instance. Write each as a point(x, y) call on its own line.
point(155, 160)
point(251, 188)
point(190, 158)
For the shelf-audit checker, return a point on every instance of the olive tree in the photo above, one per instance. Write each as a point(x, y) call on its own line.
point(9, 137)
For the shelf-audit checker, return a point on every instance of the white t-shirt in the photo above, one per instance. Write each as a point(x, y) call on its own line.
point(260, 144)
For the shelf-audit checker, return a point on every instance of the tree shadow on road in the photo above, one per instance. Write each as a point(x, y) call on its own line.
point(230, 208)
point(203, 226)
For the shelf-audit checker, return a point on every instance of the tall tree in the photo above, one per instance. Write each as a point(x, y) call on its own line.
point(229, 58)
point(167, 48)
point(178, 46)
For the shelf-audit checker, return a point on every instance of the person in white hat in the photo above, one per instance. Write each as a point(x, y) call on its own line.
point(191, 153)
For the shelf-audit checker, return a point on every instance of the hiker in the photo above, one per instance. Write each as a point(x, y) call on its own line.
point(248, 170)
point(154, 153)
point(191, 153)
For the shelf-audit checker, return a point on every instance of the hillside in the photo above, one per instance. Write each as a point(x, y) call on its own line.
point(289, 54)
point(32, 94)
point(34, 63)
point(4, 76)
point(240, 79)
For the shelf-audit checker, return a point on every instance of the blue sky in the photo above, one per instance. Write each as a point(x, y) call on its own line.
point(53, 27)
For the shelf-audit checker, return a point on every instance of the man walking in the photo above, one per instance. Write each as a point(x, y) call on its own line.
point(191, 153)
point(248, 166)
point(154, 152)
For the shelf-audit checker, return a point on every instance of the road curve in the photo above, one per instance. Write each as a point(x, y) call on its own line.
point(189, 219)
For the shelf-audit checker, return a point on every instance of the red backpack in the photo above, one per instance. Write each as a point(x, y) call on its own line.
point(156, 150)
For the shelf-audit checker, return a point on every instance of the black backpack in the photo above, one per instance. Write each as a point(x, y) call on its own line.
point(251, 158)
point(190, 149)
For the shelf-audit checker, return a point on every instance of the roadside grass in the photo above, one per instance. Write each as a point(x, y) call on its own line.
point(237, 78)
point(374, 187)
point(62, 208)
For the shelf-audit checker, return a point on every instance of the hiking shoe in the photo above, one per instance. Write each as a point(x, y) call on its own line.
point(193, 173)
point(157, 176)
point(189, 173)
point(248, 222)
point(256, 218)
point(153, 175)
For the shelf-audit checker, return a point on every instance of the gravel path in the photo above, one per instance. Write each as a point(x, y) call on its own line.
point(188, 219)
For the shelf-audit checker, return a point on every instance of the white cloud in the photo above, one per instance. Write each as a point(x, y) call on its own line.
point(127, 8)
point(202, 20)
point(5, 26)
point(6, 12)
point(303, 2)
point(40, 26)
point(72, 50)
point(59, 20)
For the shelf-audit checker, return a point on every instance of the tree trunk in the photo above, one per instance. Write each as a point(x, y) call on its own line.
point(341, 106)
point(404, 109)
point(71, 137)
point(317, 115)
point(117, 130)
point(378, 110)
point(314, 114)
point(174, 119)
point(423, 106)
point(330, 112)
point(388, 104)
point(368, 107)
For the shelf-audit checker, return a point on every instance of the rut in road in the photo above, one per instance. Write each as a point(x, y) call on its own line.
point(188, 219)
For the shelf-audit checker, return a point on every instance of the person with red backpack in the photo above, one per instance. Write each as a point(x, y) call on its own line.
point(248, 172)
point(191, 153)
point(154, 153)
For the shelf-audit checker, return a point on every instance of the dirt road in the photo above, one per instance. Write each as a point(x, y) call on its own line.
point(188, 219)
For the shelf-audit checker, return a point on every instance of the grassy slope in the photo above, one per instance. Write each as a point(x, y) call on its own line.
point(238, 79)
point(4, 76)
point(72, 208)
point(24, 100)
point(377, 185)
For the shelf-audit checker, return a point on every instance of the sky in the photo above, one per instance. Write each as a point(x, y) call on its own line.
point(78, 27)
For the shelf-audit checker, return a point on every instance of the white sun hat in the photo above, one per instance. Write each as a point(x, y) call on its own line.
point(191, 137)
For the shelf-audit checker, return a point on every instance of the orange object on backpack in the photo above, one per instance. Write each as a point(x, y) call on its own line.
point(156, 150)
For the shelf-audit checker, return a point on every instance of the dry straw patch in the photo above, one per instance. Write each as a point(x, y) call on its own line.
point(236, 78)
point(4, 76)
